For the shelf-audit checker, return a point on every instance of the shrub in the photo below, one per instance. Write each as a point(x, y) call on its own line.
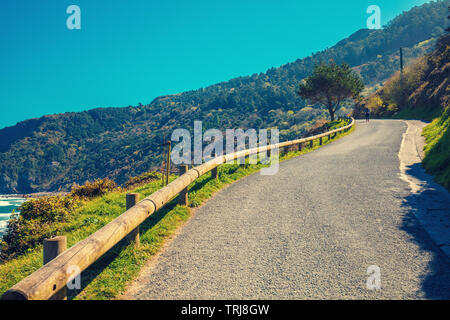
point(397, 89)
point(38, 220)
point(392, 108)
point(22, 235)
point(48, 209)
point(375, 105)
point(94, 189)
point(143, 179)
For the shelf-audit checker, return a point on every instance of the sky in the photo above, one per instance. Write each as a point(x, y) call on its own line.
point(131, 51)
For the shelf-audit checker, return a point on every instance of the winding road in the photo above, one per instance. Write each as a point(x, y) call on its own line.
point(313, 230)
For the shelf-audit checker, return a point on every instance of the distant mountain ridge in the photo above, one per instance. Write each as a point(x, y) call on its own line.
point(53, 152)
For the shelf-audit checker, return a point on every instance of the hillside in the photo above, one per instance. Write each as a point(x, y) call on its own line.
point(421, 92)
point(55, 151)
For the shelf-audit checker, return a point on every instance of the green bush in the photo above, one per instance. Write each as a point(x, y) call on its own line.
point(42, 218)
point(48, 209)
point(94, 189)
point(38, 220)
point(143, 179)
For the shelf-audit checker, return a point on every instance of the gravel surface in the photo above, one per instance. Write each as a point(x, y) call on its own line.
point(309, 232)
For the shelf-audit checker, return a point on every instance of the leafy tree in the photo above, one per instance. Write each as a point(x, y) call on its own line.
point(331, 84)
point(448, 17)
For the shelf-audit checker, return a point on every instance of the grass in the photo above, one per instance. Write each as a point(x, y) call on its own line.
point(109, 276)
point(418, 113)
point(437, 149)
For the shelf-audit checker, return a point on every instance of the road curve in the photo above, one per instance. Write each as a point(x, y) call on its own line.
point(309, 232)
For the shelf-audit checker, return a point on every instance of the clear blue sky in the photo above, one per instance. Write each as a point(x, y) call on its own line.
point(131, 51)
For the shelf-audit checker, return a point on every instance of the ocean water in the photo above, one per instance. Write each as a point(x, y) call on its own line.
point(7, 205)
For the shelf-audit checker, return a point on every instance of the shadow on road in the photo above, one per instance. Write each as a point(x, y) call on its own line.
point(428, 222)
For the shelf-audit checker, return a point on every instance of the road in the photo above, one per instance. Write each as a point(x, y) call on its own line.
point(309, 232)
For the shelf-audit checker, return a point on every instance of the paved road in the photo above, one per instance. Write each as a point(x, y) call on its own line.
point(309, 232)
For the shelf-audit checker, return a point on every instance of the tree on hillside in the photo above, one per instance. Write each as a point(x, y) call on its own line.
point(448, 17)
point(330, 85)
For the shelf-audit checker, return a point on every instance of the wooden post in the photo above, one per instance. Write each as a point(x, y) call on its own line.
point(300, 146)
point(401, 59)
point(329, 137)
point(184, 193)
point(214, 174)
point(131, 200)
point(241, 160)
point(52, 248)
point(162, 173)
point(311, 144)
point(169, 144)
point(321, 141)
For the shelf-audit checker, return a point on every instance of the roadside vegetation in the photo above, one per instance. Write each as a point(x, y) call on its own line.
point(45, 217)
point(437, 150)
point(109, 276)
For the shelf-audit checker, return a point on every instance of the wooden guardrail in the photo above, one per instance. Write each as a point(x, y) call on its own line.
point(53, 277)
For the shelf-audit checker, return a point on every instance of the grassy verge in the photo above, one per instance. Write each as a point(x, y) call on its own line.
point(109, 276)
point(437, 149)
point(418, 113)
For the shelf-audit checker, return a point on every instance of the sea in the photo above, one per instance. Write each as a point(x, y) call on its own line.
point(8, 205)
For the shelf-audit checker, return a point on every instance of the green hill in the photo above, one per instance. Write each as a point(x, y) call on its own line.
point(55, 151)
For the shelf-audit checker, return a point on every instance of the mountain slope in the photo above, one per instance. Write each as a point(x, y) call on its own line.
point(55, 151)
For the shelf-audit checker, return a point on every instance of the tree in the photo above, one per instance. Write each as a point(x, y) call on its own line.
point(330, 85)
point(448, 17)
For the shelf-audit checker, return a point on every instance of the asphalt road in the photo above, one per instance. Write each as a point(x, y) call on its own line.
point(309, 232)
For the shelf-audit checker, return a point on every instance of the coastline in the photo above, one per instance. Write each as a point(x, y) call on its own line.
point(9, 206)
point(32, 195)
